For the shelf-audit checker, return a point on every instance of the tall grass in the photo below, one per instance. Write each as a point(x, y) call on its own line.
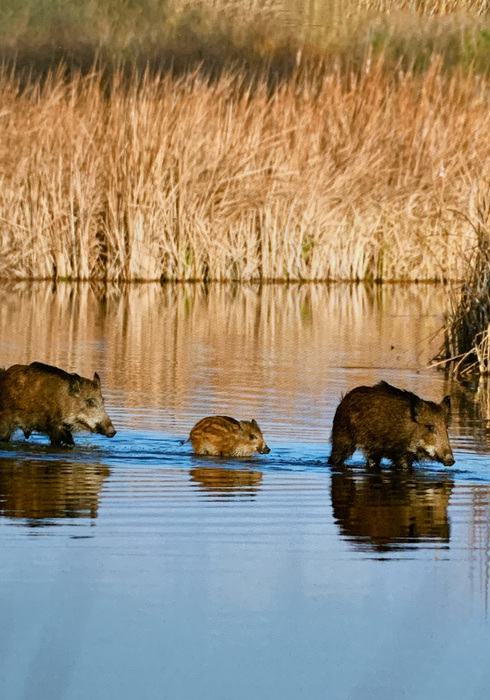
point(328, 176)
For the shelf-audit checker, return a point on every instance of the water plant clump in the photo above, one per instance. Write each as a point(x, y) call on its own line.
point(466, 346)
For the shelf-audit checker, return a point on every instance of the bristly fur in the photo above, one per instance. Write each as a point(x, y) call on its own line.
point(46, 399)
point(55, 371)
point(386, 422)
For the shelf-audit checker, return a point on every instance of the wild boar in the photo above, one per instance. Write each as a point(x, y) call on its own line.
point(383, 421)
point(226, 437)
point(46, 399)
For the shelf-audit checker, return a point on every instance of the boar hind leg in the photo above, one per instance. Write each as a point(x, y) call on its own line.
point(343, 444)
point(373, 461)
point(6, 430)
point(342, 449)
point(339, 455)
point(61, 436)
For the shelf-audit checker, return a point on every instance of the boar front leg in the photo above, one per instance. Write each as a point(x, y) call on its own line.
point(403, 462)
point(60, 435)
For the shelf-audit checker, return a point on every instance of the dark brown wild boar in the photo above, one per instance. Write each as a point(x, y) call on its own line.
point(384, 421)
point(226, 437)
point(46, 399)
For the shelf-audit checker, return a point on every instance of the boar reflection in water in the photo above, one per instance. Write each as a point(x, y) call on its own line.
point(384, 421)
point(37, 490)
point(221, 436)
point(46, 399)
point(387, 508)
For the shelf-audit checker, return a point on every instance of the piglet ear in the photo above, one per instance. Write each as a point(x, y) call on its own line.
point(254, 423)
point(97, 379)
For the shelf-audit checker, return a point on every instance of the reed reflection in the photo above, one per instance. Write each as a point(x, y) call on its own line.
point(39, 491)
point(470, 408)
point(390, 509)
point(227, 483)
point(256, 349)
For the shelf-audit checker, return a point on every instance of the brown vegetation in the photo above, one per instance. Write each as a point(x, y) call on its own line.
point(333, 174)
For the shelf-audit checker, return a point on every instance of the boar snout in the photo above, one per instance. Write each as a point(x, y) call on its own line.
point(448, 460)
point(265, 450)
point(106, 429)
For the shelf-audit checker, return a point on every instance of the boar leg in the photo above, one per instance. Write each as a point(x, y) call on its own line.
point(373, 460)
point(402, 462)
point(6, 430)
point(341, 451)
point(60, 436)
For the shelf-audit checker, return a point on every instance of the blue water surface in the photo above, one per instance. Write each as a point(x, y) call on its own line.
point(132, 568)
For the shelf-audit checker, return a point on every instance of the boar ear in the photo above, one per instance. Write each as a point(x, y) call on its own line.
point(254, 423)
point(97, 379)
point(75, 385)
point(446, 407)
point(415, 408)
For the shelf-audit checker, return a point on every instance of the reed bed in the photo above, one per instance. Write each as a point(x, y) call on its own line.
point(329, 176)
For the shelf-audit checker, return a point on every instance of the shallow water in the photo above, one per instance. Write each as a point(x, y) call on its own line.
point(133, 569)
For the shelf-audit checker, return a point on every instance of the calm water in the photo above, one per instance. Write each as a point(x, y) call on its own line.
point(132, 569)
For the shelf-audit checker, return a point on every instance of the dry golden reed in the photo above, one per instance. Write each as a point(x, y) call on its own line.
point(331, 175)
